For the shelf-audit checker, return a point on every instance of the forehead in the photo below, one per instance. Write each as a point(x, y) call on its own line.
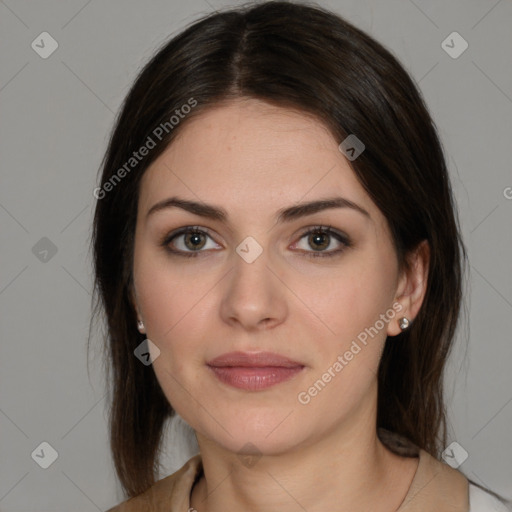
point(249, 154)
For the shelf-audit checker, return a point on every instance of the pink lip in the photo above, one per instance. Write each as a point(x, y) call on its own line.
point(253, 371)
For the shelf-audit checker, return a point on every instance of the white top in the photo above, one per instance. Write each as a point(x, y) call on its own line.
point(482, 501)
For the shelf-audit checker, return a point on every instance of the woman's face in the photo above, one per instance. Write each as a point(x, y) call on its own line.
point(257, 282)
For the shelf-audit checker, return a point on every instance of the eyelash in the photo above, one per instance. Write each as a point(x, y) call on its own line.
point(323, 230)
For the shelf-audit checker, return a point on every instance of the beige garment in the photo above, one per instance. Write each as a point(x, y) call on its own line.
point(436, 487)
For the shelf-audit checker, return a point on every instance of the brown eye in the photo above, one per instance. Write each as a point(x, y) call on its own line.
point(188, 241)
point(194, 240)
point(320, 238)
point(319, 241)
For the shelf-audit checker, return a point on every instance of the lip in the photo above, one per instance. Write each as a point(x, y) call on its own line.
point(253, 360)
point(253, 371)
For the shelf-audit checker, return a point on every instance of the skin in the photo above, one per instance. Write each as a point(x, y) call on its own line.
point(254, 159)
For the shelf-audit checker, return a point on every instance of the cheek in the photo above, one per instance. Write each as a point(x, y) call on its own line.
point(350, 343)
point(177, 308)
point(175, 312)
point(355, 297)
point(167, 296)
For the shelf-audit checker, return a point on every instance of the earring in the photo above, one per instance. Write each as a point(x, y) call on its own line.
point(403, 323)
point(140, 326)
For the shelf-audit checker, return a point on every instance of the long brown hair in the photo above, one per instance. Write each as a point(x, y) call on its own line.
point(303, 57)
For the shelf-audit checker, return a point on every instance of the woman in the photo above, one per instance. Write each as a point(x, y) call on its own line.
point(278, 256)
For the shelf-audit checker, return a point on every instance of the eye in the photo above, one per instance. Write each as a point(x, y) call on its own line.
point(191, 240)
point(188, 241)
point(319, 238)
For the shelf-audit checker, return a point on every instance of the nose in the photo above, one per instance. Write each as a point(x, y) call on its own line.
point(254, 297)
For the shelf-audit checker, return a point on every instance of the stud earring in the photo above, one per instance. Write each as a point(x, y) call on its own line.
point(140, 326)
point(403, 323)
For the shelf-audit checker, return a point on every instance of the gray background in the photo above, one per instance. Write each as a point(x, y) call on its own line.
point(56, 114)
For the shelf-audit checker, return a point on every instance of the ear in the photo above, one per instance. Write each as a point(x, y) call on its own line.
point(133, 299)
point(132, 296)
point(412, 285)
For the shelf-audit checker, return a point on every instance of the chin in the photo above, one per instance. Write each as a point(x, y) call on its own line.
point(268, 432)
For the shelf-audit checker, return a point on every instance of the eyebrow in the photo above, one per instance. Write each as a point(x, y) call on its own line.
point(283, 215)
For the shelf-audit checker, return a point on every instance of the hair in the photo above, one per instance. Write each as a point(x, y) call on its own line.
point(302, 57)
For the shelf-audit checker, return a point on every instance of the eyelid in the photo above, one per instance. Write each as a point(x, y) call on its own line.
point(340, 236)
point(327, 230)
point(169, 237)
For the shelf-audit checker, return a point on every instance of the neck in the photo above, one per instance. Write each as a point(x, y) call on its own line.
point(347, 469)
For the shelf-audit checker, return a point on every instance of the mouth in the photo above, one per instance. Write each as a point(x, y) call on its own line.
point(253, 371)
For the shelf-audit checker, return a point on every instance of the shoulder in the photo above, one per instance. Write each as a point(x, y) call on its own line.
point(169, 493)
point(483, 501)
